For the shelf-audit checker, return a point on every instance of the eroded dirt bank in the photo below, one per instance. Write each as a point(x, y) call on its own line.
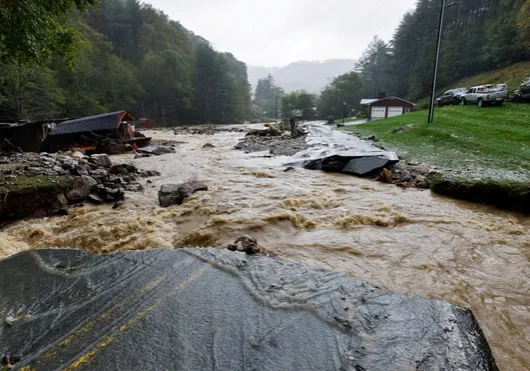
point(407, 241)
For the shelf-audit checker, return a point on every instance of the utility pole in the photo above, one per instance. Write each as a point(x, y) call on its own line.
point(343, 112)
point(436, 60)
point(277, 108)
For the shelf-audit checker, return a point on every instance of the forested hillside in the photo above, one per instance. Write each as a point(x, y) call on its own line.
point(478, 36)
point(131, 56)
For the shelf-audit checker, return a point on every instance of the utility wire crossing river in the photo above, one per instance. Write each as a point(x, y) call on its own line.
point(407, 241)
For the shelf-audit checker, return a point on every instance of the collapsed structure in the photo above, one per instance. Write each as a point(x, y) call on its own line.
point(108, 133)
point(25, 136)
point(94, 133)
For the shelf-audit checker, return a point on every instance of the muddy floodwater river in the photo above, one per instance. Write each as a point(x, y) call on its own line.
point(408, 241)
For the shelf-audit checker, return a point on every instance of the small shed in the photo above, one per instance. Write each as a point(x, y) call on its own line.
point(383, 108)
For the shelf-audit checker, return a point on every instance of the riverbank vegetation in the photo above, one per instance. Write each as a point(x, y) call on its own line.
point(479, 148)
point(117, 55)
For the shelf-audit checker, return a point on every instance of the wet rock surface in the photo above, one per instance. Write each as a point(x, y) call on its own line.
point(235, 311)
point(175, 194)
point(156, 150)
point(246, 244)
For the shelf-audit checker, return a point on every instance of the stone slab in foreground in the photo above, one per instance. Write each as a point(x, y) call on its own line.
point(213, 309)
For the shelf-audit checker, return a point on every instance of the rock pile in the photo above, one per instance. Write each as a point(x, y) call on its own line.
point(270, 131)
point(209, 130)
point(282, 145)
point(414, 175)
point(93, 177)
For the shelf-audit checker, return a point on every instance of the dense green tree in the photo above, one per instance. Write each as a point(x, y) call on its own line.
point(128, 56)
point(89, 91)
point(215, 87)
point(30, 93)
point(166, 78)
point(523, 23)
point(33, 30)
point(299, 100)
point(345, 89)
point(238, 71)
point(374, 68)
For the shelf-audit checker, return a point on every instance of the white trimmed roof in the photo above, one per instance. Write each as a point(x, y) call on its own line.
point(369, 102)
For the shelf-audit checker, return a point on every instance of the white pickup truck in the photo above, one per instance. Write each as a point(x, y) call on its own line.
point(484, 95)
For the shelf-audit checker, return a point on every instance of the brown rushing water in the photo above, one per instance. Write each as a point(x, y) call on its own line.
point(407, 241)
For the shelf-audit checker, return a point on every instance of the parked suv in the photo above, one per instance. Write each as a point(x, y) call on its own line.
point(484, 95)
point(451, 97)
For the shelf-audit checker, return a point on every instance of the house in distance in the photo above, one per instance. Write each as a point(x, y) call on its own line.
point(385, 107)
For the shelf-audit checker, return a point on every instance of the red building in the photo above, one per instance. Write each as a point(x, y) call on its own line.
point(383, 108)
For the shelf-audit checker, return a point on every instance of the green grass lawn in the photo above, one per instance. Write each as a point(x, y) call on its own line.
point(462, 137)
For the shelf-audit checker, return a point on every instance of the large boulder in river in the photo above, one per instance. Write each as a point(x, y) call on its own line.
point(102, 159)
point(173, 194)
point(82, 185)
point(205, 309)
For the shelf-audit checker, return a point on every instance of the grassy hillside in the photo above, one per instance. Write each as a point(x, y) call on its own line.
point(512, 75)
point(491, 142)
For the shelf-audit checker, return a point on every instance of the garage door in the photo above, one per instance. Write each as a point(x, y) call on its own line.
point(378, 112)
point(395, 111)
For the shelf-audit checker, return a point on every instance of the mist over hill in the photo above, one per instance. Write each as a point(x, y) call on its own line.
point(311, 76)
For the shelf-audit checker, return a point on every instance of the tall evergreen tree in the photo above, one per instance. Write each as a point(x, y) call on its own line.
point(266, 96)
point(374, 68)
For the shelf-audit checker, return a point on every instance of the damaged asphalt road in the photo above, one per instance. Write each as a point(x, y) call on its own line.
point(204, 309)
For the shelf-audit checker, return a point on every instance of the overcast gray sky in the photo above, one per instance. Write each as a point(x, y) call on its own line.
point(277, 32)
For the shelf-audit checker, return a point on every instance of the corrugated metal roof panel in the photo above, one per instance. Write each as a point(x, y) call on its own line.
point(106, 121)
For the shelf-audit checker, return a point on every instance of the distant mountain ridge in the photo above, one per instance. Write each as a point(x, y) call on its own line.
point(311, 76)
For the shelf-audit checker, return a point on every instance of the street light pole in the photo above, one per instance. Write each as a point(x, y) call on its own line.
point(276, 108)
point(435, 74)
point(343, 112)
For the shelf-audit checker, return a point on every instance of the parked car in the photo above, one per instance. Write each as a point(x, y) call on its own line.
point(523, 94)
point(483, 96)
point(451, 97)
